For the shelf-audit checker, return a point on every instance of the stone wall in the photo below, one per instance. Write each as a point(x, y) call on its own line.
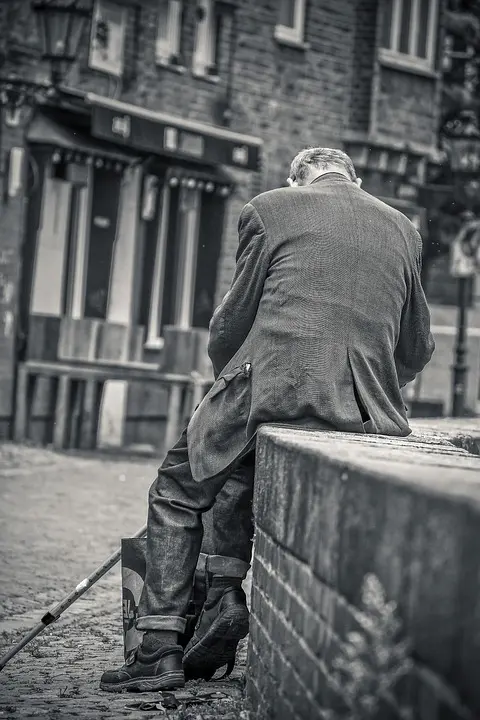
point(345, 525)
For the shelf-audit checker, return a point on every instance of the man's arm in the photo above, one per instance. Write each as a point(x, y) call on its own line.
point(233, 318)
point(415, 344)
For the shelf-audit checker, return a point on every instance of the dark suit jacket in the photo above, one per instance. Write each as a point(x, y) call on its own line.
point(325, 320)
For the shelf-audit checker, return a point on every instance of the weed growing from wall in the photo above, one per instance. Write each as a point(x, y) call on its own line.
point(373, 659)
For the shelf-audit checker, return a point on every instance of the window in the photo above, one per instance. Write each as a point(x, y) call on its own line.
point(205, 52)
point(50, 257)
point(169, 31)
point(291, 21)
point(181, 262)
point(409, 32)
point(104, 210)
point(108, 38)
point(172, 284)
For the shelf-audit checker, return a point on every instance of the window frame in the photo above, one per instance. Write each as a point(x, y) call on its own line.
point(167, 49)
point(76, 294)
point(410, 59)
point(203, 58)
point(189, 209)
point(296, 34)
point(110, 67)
point(154, 340)
point(51, 248)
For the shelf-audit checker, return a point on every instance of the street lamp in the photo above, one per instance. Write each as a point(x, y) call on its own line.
point(462, 138)
point(60, 24)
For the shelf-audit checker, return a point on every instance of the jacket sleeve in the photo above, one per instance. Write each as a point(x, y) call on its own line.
point(234, 317)
point(415, 344)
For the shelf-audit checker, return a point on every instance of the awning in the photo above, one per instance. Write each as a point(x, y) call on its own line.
point(45, 130)
point(166, 134)
point(181, 173)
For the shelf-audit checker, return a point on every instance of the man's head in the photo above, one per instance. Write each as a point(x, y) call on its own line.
point(309, 164)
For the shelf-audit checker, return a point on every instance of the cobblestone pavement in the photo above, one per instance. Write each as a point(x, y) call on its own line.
point(60, 517)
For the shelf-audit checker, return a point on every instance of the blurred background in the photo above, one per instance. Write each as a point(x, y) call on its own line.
point(132, 133)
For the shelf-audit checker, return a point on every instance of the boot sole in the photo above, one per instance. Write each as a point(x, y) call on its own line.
point(166, 681)
point(219, 644)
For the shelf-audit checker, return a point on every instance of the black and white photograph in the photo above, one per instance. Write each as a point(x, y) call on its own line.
point(240, 359)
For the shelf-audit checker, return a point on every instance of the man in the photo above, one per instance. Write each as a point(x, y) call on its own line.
point(324, 322)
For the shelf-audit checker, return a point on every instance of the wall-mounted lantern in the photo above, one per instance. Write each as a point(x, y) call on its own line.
point(61, 24)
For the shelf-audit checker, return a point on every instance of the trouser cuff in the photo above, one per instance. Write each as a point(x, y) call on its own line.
point(161, 622)
point(226, 566)
point(201, 564)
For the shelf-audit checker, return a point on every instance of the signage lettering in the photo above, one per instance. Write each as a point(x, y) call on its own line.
point(121, 126)
point(191, 144)
point(240, 155)
point(170, 138)
point(149, 135)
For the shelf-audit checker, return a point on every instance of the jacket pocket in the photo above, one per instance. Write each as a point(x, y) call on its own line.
point(223, 381)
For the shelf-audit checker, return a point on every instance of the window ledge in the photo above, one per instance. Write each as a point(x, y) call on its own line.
point(167, 65)
point(213, 79)
point(283, 39)
point(105, 69)
point(407, 64)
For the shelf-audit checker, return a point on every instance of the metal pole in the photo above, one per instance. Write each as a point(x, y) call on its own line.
point(460, 368)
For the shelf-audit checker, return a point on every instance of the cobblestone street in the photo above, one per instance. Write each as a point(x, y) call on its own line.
point(60, 517)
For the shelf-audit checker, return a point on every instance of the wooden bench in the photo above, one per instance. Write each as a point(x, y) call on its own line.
point(79, 393)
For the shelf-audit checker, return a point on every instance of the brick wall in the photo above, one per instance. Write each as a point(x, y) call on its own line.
point(291, 97)
point(330, 510)
point(364, 56)
point(407, 106)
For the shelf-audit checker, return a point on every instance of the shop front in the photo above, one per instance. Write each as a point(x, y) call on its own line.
point(125, 232)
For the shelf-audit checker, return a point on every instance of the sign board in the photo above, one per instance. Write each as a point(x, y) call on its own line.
point(465, 250)
point(154, 136)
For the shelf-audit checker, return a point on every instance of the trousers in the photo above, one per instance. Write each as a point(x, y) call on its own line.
point(176, 504)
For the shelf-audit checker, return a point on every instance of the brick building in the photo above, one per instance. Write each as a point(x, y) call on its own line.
point(121, 195)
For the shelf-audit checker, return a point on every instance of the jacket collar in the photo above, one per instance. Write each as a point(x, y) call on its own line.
point(335, 176)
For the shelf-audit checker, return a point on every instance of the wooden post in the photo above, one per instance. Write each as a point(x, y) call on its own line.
point(22, 405)
point(179, 350)
point(174, 415)
point(202, 364)
point(196, 393)
point(62, 411)
point(77, 391)
point(90, 412)
point(178, 357)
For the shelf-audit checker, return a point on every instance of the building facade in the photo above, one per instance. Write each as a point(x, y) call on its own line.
point(121, 199)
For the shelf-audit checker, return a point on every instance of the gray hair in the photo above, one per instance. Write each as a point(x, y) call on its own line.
point(323, 159)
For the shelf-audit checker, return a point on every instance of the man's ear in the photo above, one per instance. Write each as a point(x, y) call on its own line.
point(358, 181)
